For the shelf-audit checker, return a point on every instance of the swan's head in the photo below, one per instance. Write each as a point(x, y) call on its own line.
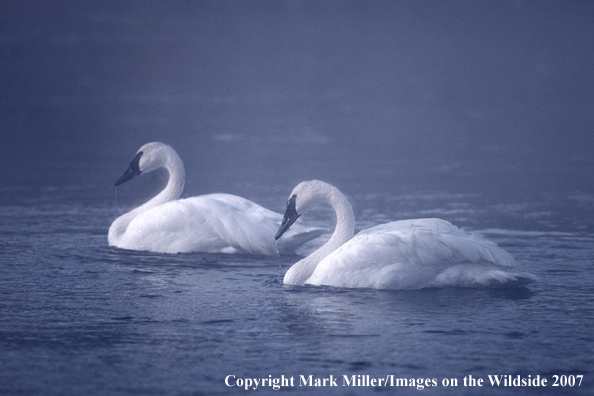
point(149, 157)
point(305, 196)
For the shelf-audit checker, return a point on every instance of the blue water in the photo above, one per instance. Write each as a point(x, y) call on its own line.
point(476, 112)
point(79, 317)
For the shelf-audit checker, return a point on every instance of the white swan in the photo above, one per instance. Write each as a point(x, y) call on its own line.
point(407, 254)
point(214, 223)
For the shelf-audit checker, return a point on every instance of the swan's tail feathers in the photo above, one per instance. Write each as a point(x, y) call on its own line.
point(481, 275)
point(293, 239)
point(524, 278)
point(506, 279)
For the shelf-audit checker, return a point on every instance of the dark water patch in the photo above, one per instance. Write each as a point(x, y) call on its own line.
point(123, 319)
point(563, 272)
point(151, 296)
point(360, 365)
point(355, 335)
point(218, 321)
point(516, 335)
point(455, 332)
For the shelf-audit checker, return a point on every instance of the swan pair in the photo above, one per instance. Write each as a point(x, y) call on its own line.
point(407, 254)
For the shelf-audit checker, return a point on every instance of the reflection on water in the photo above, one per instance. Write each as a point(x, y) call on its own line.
point(91, 316)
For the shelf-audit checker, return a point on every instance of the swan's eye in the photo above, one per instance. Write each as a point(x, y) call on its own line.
point(292, 199)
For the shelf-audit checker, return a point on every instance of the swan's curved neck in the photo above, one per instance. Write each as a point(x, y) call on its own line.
point(344, 231)
point(175, 185)
point(172, 191)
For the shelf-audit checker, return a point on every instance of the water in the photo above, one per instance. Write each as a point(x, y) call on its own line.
point(413, 109)
point(79, 317)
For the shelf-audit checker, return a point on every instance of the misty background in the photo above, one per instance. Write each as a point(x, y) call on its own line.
point(462, 95)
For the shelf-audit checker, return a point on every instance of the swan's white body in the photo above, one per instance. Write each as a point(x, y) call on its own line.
point(214, 223)
point(407, 254)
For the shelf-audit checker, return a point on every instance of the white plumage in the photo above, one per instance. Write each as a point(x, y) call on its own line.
point(214, 223)
point(406, 254)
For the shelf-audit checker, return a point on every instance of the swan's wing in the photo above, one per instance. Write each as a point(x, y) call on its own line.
point(239, 203)
point(174, 227)
point(214, 223)
point(412, 254)
point(239, 223)
point(261, 218)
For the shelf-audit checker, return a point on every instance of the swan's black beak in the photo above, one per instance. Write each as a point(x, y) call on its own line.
point(132, 171)
point(289, 218)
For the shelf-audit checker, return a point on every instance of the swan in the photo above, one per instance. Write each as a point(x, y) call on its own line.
point(213, 223)
point(406, 254)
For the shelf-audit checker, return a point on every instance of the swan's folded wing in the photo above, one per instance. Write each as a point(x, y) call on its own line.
point(406, 254)
point(174, 227)
point(214, 223)
point(249, 227)
point(256, 217)
point(444, 242)
point(241, 225)
point(377, 260)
